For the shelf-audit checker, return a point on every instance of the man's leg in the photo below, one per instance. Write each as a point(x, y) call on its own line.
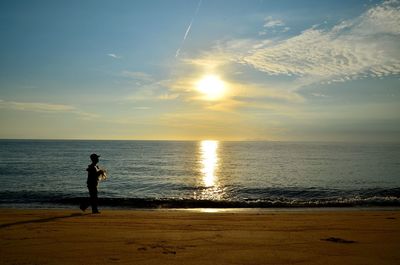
point(85, 203)
point(93, 199)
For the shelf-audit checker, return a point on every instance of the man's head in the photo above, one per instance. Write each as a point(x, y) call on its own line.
point(94, 158)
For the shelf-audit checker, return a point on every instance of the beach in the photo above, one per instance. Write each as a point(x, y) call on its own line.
point(55, 236)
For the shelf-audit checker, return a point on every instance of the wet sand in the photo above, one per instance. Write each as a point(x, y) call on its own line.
point(190, 237)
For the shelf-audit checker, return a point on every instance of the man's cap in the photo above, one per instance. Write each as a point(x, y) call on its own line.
point(92, 156)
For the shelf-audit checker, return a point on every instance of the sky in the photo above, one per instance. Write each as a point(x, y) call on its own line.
point(195, 70)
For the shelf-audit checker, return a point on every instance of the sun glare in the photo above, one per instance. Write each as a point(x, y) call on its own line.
point(211, 86)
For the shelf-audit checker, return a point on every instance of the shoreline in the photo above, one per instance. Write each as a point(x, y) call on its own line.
point(61, 236)
point(67, 207)
point(41, 206)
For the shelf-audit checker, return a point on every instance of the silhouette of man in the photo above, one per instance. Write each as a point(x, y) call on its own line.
point(92, 181)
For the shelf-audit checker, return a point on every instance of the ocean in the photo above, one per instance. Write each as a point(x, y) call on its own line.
point(201, 174)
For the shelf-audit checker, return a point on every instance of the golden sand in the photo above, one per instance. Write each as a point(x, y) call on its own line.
point(190, 237)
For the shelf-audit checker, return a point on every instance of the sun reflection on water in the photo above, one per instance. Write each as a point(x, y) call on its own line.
point(210, 187)
point(209, 161)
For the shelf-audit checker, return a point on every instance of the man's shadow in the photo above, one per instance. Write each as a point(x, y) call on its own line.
point(43, 220)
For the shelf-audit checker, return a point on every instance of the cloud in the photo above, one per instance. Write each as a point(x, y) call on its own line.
point(148, 88)
point(207, 62)
point(366, 46)
point(319, 95)
point(44, 108)
point(113, 55)
point(36, 106)
point(142, 108)
point(269, 92)
point(238, 95)
point(271, 23)
point(168, 96)
point(138, 76)
point(274, 26)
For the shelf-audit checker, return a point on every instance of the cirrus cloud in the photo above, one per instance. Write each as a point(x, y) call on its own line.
point(366, 46)
point(44, 108)
point(113, 55)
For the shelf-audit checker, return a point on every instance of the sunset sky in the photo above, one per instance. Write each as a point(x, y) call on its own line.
point(210, 69)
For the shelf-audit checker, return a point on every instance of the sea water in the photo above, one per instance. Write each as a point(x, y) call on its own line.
point(190, 174)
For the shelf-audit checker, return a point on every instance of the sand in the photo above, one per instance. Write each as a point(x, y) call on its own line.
point(192, 237)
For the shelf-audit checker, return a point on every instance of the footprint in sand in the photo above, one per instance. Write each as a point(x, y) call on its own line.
point(164, 248)
point(338, 240)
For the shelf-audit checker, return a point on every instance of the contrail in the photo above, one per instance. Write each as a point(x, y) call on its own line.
point(188, 28)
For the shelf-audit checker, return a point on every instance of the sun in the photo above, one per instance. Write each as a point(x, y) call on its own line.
point(211, 86)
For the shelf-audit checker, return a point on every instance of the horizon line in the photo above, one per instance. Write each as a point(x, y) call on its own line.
point(205, 139)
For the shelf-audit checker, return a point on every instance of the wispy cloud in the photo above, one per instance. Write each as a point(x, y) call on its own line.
point(271, 23)
point(168, 96)
point(274, 26)
point(238, 95)
point(319, 95)
point(138, 76)
point(366, 46)
point(113, 55)
point(147, 88)
point(44, 108)
point(36, 106)
point(142, 108)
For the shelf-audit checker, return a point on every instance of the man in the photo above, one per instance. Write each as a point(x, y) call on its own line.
point(94, 174)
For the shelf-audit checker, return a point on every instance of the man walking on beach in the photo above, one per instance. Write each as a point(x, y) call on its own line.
point(94, 174)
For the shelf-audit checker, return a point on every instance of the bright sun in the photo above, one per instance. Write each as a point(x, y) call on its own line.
point(211, 86)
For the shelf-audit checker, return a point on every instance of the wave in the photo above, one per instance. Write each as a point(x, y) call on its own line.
point(272, 198)
point(153, 203)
